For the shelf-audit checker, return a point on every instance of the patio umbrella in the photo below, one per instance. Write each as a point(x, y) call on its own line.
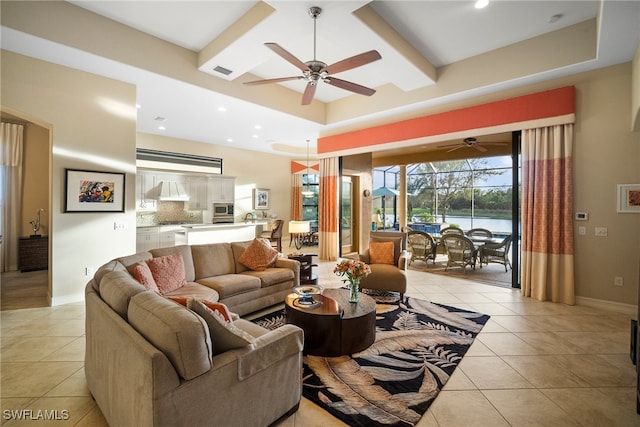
point(385, 192)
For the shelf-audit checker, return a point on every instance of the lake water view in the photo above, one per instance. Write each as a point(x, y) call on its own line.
point(501, 226)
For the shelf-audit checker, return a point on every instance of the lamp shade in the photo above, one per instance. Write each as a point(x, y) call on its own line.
point(299, 227)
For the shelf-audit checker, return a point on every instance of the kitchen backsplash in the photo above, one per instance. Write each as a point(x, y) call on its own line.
point(169, 212)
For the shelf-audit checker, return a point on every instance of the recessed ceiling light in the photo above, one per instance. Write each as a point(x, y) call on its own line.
point(554, 18)
point(161, 128)
point(258, 127)
point(229, 139)
point(254, 136)
point(222, 109)
point(138, 106)
point(481, 4)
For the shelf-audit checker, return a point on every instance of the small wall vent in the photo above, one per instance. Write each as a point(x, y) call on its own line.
point(177, 161)
point(222, 70)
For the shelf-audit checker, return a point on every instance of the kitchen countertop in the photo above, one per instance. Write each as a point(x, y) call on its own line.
point(195, 227)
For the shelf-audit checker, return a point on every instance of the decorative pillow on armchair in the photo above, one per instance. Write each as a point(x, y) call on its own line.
point(259, 255)
point(381, 253)
point(168, 272)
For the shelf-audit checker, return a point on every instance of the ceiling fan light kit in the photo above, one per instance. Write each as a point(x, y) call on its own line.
point(314, 71)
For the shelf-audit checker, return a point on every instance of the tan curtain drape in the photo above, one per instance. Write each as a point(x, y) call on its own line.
point(296, 197)
point(547, 214)
point(11, 149)
point(328, 209)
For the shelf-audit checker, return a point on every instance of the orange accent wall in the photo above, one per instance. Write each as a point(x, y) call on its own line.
point(551, 103)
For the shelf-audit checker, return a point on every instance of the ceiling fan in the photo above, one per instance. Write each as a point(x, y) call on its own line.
point(314, 71)
point(471, 143)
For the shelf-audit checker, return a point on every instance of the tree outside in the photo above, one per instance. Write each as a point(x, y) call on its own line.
point(461, 187)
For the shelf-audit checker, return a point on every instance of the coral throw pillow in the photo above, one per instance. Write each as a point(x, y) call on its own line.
point(258, 255)
point(168, 272)
point(142, 274)
point(381, 253)
point(219, 307)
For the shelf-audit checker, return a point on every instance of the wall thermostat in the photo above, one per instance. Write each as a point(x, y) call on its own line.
point(582, 216)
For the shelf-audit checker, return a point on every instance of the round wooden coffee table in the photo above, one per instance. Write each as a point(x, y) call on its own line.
point(334, 326)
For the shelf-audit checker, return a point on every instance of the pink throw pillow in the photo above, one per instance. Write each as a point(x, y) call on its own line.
point(142, 274)
point(258, 255)
point(168, 272)
point(381, 253)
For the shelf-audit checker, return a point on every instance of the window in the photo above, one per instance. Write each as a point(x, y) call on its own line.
point(310, 182)
point(469, 193)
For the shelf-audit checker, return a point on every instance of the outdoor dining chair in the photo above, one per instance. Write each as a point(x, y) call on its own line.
point(460, 251)
point(496, 252)
point(422, 246)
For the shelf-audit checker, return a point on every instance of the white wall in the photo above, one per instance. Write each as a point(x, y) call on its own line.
point(92, 123)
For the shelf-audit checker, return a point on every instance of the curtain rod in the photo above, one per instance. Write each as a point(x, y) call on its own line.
point(15, 123)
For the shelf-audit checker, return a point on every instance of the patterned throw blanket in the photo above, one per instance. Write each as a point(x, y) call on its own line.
point(392, 383)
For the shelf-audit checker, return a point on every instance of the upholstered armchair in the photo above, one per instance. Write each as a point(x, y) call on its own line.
point(388, 258)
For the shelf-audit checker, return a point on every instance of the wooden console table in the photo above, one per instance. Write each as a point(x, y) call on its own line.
point(33, 253)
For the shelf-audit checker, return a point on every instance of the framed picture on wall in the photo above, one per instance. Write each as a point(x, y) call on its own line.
point(629, 198)
point(261, 198)
point(94, 191)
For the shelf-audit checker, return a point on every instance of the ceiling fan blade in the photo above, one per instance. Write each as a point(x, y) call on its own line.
point(287, 56)
point(353, 87)
point(479, 148)
point(456, 148)
point(354, 62)
point(308, 94)
point(449, 145)
point(278, 80)
point(495, 143)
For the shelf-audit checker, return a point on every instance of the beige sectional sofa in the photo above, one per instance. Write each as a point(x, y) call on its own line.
point(151, 362)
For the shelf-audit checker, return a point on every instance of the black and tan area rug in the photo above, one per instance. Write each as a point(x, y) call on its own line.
point(392, 383)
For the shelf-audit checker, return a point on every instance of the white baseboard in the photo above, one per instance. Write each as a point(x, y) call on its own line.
point(67, 299)
point(630, 309)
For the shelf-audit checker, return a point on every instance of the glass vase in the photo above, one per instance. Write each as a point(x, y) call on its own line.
point(354, 285)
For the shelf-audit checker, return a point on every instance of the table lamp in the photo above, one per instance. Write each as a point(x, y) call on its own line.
point(298, 229)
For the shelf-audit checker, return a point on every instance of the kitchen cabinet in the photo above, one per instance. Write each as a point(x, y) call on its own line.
point(197, 189)
point(223, 189)
point(147, 238)
point(167, 235)
point(145, 181)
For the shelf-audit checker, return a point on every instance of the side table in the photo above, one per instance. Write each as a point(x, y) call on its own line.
point(307, 277)
point(33, 253)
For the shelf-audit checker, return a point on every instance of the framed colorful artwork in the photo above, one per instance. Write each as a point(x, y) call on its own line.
point(94, 191)
point(629, 198)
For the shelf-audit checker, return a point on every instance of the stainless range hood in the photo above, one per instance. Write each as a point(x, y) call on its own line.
point(169, 191)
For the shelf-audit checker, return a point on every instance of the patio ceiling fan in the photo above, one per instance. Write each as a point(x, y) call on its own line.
point(471, 143)
point(314, 71)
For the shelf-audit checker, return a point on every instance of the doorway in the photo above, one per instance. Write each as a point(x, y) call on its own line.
point(26, 280)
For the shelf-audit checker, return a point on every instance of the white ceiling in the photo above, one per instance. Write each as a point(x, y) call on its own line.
point(442, 32)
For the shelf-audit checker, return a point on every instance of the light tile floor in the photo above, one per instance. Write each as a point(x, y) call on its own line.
point(533, 364)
